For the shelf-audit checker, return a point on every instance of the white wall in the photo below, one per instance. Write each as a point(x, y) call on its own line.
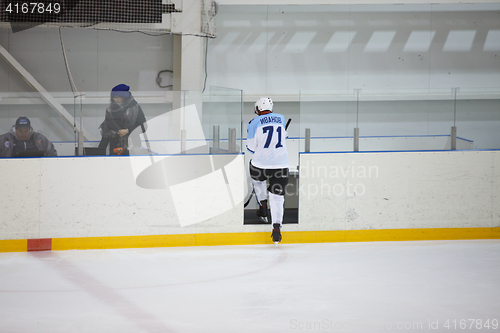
point(98, 59)
point(281, 50)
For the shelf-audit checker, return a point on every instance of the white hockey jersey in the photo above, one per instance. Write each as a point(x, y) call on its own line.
point(266, 136)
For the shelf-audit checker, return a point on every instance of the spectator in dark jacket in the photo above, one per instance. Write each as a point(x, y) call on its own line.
point(22, 138)
point(123, 116)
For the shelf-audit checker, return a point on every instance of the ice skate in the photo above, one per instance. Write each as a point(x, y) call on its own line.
point(262, 212)
point(276, 235)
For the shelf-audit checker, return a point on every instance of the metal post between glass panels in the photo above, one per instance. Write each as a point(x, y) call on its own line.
point(232, 141)
point(356, 129)
point(308, 140)
point(454, 127)
point(356, 139)
point(216, 140)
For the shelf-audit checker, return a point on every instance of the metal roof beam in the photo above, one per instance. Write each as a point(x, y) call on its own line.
point(44, 94)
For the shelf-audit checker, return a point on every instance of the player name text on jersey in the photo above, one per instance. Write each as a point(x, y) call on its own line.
point(270, 119)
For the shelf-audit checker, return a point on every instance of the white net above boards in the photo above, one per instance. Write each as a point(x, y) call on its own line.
point(133, 15)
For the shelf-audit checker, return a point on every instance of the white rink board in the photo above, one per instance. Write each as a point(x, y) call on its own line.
point(362, 191)
point(19, 207)
point(98, 196)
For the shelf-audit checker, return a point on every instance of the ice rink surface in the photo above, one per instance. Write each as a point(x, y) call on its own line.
point(429, 286)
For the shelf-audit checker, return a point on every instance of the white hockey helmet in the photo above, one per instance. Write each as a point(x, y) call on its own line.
point(263, 104)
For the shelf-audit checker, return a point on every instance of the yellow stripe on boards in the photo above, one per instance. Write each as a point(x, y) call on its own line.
point(326, 236)
point(240, 238)
point(495, 233)
point(251, 238)
point(289, 237)
point(121, 242)
point(384, 235)
point(14, 245)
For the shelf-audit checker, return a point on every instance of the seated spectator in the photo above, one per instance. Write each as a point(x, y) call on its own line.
point(22, 138)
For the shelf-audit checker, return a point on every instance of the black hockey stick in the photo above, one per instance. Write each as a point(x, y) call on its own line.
point(146, 138)
point(249, 198)
point(253, 190)
point(150, 153)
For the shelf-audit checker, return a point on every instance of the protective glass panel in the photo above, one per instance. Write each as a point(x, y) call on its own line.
point(399, 120)
point(145, 123)
point(222, 120)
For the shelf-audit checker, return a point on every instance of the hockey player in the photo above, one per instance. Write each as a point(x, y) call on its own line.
point(266, 136)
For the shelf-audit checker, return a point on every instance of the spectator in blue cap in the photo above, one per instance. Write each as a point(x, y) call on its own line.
point(123, 116)
point(22, 138)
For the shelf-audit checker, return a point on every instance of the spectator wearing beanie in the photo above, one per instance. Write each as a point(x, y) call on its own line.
point(122, 117)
